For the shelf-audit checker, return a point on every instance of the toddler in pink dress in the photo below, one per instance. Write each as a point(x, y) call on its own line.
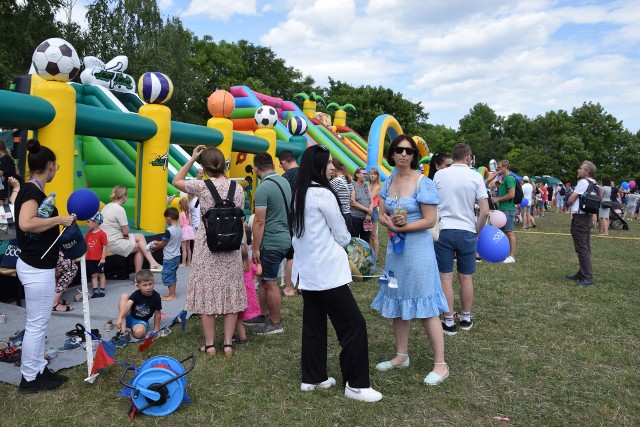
point(250, 271)
point(188, 232)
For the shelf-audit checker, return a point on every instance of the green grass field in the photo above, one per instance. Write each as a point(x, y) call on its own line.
point(542, 352)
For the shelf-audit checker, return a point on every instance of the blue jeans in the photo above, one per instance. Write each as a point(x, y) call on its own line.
point(270, 260)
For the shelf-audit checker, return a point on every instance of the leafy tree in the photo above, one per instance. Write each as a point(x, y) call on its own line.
point(440, 139)
point(482, 129)
point(25, 24)
point(373, 102)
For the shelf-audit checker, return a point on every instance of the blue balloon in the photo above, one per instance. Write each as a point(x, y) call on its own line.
point(493, 244)
point(625, 185)
point(524, 202)
point(84, 203)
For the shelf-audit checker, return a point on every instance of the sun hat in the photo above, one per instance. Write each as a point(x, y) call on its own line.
point(525, 178)
point(72, 243)
point(97, 218)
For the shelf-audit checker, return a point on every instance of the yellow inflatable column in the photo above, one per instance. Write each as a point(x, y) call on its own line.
point(151, 171)
point(59, 135)
point(270, 135)
point(225, 126)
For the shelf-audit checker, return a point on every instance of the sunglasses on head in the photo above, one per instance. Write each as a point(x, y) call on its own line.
point(398, 150)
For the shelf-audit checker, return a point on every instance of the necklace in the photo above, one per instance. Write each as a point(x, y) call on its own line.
point(36, 182)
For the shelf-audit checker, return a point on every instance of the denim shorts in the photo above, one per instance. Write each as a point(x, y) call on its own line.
point(170, 271)
point(511, 216)
point(375, 215)
point(461, 243)
point(132, 321)
point(270, 260)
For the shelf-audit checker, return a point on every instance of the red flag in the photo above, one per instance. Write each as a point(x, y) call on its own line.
point(145, 344)
point(104, 356)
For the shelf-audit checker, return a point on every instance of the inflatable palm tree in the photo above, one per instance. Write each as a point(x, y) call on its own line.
point(310, 103)
point(340, 118)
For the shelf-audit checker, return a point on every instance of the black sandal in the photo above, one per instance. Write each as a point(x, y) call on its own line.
point(206, 348)
point(66, 310)
point(225, 346)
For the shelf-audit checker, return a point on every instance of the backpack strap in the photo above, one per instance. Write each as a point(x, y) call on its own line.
point(286, 205)
point(232, 192)
point(214, 193)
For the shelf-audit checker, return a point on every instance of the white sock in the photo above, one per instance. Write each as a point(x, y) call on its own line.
point(448, 320)
point(466, 316)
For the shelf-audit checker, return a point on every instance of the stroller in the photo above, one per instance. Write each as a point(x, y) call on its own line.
point(615, 217)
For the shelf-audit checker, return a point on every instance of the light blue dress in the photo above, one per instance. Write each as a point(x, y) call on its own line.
point(419, 292)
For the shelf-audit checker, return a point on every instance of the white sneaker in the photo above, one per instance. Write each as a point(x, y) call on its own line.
point(509, 260)
point(362, 394)
point(328, 383)
point(156, 269)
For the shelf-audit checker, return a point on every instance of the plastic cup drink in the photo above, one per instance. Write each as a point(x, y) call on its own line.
point(400, 209)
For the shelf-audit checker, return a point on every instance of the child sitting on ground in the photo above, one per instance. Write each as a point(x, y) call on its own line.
point(188, 233)
point(253, 307)
point(96, 254)
point(171, 241)
point(136, 309)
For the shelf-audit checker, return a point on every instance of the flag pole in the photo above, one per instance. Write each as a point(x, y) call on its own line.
point(87, 318)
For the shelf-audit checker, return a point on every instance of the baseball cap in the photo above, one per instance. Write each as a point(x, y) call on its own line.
point(525, 178)
point(72, 242)
point(97, 218)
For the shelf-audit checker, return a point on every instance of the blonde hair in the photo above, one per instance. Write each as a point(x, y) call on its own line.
point(144, 275)
point(377, 181)
point(118, 192)
point(245, 257)
point(184, 205)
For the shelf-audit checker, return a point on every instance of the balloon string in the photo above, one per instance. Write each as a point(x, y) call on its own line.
point(54, 242)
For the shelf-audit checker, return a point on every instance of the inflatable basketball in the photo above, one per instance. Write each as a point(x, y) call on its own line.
point(221, 103)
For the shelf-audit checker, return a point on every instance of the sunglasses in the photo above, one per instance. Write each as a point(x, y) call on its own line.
point(398, 150)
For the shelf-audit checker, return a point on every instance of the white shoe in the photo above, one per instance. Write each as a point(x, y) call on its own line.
point(362, 394)
point(156, 269)
point(434, 379)
point(509, 260)
point(328, 383)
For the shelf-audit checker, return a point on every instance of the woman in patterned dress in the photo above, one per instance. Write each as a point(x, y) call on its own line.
point(418, 294)
point(216, 284)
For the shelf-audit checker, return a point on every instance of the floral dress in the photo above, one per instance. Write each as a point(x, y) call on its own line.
point(419, 292)
point(216, 283)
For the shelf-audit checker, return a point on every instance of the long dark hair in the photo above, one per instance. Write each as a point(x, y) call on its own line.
point(436, 160)
point(310, 174)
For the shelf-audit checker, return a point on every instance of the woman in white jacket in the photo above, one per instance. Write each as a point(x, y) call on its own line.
point(321, 267)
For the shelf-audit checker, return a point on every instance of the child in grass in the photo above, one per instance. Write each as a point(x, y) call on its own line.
point(170, 243)
point(253, 308)
point(188, 233)
point(96, 254)
point(136, 309)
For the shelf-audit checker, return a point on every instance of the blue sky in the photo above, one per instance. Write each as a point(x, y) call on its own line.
point(528, 56)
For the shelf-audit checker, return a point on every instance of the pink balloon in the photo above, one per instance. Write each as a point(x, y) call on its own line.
point(497, 219)
point(632, 184)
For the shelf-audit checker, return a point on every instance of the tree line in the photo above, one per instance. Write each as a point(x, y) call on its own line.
point(552, 144)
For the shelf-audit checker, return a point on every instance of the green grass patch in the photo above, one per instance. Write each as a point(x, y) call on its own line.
point(542, 352)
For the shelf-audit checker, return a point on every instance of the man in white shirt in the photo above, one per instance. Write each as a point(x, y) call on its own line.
point(459, 188)
point(527, 191)
point(581, 223)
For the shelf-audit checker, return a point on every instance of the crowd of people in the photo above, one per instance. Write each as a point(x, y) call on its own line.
point(303, 219)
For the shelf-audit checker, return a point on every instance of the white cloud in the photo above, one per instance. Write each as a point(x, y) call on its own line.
point(165, 4)
point(221, 9)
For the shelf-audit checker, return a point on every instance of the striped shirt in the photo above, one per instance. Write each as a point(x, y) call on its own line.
point(343, 189)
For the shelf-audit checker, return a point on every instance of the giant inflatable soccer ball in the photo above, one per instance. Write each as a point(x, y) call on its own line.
point(266, 117)
point(55, 59)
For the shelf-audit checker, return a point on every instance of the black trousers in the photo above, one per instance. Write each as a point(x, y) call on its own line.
point(581, 233)
point(358, 229)
point(347, 320)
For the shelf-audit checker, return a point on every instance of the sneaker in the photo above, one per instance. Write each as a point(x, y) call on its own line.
point(328, 383)
point(478, 259)
point(156, 269)
point(71, 344)
point(237, 340)
point(54, 375)
point(466, 325)
point(449, 330)
point(575, 277)
point(108, 327)
point(584, 282)
point(269, 328)
point(258, 320)
point(95, 294)
point(509, 260)
point(362, 394)
point(120, 340)
point(39, 383)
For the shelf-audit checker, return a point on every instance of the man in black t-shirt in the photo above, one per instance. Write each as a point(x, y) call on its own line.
point(136, 309)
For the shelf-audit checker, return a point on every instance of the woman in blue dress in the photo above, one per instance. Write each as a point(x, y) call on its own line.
point(409, 210)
